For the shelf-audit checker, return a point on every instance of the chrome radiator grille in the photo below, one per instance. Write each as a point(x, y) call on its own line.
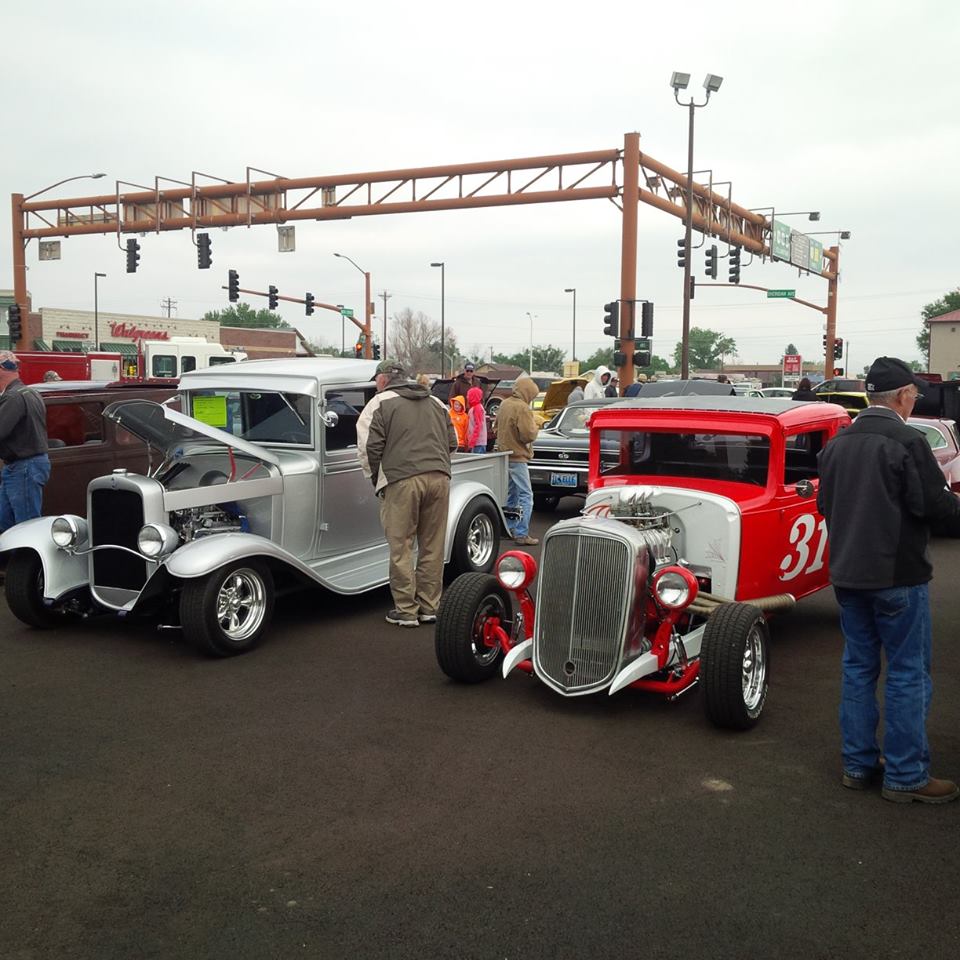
point(583, 600)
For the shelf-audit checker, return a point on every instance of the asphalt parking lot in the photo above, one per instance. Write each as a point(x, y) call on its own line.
point(334, 795)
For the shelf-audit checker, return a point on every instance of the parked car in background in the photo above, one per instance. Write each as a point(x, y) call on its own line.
point(746, 390)
point(840, 385)
point(783, 392)
point(561, 455)
point(553, 398)
point(851, 401)
point(945, 444)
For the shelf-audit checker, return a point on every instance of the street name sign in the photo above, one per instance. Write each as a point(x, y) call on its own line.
point(782, 294)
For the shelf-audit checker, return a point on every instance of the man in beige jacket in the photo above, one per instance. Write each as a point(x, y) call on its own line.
point(516, 430)
point(404, 439)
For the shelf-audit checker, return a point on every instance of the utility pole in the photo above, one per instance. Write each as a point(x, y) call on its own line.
point(383, 348)
point(168, 305)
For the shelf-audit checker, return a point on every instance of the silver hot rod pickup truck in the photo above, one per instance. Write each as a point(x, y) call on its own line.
point(254, 488)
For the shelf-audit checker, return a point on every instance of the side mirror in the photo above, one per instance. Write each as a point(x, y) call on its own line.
point(804, 489)
point(330, 418)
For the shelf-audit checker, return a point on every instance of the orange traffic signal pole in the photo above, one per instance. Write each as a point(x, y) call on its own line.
point(551, 178)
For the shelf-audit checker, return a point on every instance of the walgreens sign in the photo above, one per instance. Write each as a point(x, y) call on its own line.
point(137, 333)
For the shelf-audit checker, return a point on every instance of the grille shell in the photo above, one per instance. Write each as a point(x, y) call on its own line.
point(590, 573)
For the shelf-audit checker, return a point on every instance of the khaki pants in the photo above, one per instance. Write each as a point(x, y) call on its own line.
point(416, 508)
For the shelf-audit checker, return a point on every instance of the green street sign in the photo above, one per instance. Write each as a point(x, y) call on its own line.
point(346, 312)
point(780, 240)
point(783, 294)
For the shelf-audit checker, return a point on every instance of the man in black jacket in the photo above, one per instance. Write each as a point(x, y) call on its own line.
point(880, 491)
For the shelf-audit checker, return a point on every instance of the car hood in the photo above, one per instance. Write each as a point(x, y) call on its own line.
point(558, 391)
point(165, 429)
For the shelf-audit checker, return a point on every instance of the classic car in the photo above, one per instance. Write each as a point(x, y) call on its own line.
point(553, 398)
point(83, 444)
point(783, 393)
point(561, 453)
point(945, 444)
point(254, 488)
point(703, 524)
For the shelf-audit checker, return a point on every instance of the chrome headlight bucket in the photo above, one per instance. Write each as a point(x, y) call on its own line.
point(67, 532)
point(675, 587)
point(157, 540)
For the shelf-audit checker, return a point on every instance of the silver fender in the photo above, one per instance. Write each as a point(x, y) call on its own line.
point(519, 653)
point(462, 495)
point(203, 556)
point(648, 663)
point(62, 571)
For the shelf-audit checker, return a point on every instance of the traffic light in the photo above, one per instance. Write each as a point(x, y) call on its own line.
point(133, 255)
point(14, 323)
point(308, 299)
point(358, 349)
point(376, 351)
point(611, 319)
point(681, 253)
point(711, 270)
point(203, 251)
point(733, 275)
point(233, 285)
point(272, 297)
point(646, 319)
point(824, 343)
point(641, 353)
point(838, 349)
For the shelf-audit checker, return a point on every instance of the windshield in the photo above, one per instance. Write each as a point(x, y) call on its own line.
point(261, 416)
point(572, 422)
point(735, 458)
point(933, 436)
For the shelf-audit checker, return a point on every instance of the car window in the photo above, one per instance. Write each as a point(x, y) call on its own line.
point(347, 403)
point(262, 416)
point(573, 420)
point(163, 365)
point(74, 424)
point(736, 458)
point(801, 455)
point(188, 363)
point(932, 435)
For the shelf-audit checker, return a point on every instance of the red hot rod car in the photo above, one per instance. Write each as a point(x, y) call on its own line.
point(701, 521)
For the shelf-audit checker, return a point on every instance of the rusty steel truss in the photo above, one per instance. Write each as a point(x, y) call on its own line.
point(624, 176)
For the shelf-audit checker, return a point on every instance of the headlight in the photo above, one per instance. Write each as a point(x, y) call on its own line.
point(675, 587)
point(68, 531)
point(157, 540)
point(516, 570)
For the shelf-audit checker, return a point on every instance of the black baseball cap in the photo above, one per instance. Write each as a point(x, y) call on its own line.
point(468, 366)
point(889, 373)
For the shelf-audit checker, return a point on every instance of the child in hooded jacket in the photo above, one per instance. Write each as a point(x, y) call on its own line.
point(459, 417)
point(477, 422)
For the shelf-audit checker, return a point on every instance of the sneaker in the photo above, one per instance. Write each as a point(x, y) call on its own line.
point(526, 541)
point(402, 619)
point(934, 791)
point(427, 618)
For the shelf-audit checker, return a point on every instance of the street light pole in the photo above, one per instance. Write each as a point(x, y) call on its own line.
point(530, 315)
point(368, 333)
point(96, 313)
point(711, 84)
point(443, 300)
point(573, 290)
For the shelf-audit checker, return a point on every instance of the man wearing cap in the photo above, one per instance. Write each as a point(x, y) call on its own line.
point(463, 383)
point(23, 446)
point(880, 491)
point(404, 440)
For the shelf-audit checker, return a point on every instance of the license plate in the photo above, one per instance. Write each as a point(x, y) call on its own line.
point(563, 480)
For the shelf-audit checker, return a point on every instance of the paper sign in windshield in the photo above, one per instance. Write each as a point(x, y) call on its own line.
point(211, 410)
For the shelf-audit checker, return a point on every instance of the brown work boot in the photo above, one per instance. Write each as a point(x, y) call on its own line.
point(934, 791)
point(526, 541)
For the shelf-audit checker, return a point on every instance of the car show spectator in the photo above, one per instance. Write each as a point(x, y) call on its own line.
point(476, 422)
point(612, 388)
point(463, 383)
point(458, 416)
point(575, 394)
point(516, 431)
point(880, 492)
point(23, 446)
point(404, 440)
point(804, 391)
point(51, 376)
point(597, 387)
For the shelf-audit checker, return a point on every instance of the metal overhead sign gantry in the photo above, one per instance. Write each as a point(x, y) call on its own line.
point(544, 179)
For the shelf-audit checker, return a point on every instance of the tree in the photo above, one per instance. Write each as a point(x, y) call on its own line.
point(548, 359)
point(415, 342)
point(243, 315)
point(791, 349)
point(707, 349)
point(603, 356)
point(946, 304)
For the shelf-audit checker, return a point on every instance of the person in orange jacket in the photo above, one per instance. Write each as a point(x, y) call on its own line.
point(460, 420)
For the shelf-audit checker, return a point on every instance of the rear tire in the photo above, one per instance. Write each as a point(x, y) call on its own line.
point(735, 666)
point(226, 612)
point(476, 543)
point(24, 591)
point(466, 605)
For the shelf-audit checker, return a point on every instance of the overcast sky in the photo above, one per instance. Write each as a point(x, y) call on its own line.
point(848, 108)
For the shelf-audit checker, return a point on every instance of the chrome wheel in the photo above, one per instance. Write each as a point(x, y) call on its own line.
point(754, 671)
point(241, 604)
point(490, 606)
point(480, 540)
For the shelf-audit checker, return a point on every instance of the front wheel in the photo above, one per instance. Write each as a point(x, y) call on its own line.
point(477, 540)
point(227, 611)
point(735, 665)
point(470, 602)
point(24, 591)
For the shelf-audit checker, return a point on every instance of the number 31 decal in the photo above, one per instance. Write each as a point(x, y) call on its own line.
point(801, 533)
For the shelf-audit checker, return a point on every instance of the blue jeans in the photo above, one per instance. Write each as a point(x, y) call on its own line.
point(21, 489)
point(520, 497)
point(896, 623)
point(479, 448)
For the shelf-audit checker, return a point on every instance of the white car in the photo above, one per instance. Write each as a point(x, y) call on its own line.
point(783, 392)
